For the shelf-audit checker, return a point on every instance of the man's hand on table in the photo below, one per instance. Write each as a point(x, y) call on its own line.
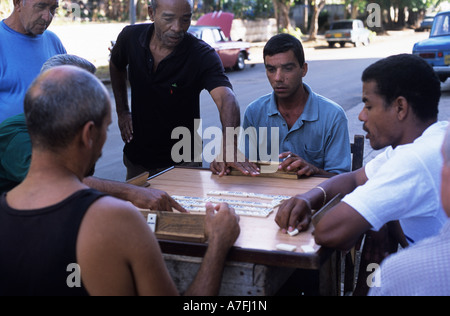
point(153, 199)
point(221, 226)
point(294, 214)
point(224, 168)
point(221, 167)
point(293, 163)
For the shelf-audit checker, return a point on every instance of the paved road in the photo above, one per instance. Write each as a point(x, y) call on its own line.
point(334, 73)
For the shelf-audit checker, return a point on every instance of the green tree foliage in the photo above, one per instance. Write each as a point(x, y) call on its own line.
point(395, 13)
point(5, 8)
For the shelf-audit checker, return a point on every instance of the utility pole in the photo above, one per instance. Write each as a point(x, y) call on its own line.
point(132, 12)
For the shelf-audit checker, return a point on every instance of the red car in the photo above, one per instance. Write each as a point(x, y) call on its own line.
point(214, 29)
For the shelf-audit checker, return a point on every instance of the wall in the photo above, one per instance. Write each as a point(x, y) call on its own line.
point(253, 31)
point(335, 12)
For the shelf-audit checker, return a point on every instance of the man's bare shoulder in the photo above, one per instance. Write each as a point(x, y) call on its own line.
point(112, 225)
point(110, 202)
point(112, 213)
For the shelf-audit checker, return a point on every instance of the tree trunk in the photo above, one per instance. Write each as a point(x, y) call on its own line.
point(401, 17)
point(314, 28)
point(305, 17)
point(354, 11)
point(282, 10)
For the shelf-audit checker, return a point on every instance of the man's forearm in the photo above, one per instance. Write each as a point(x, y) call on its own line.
point(225, 100)
point(114, 188)
point(343, 184)
point(120, 89)
point(208, 279)
point(230, 117)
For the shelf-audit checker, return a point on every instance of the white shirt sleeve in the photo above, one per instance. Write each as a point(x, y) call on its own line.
point(399, 187)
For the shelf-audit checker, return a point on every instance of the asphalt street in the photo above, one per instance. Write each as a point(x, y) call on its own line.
point(334, 73)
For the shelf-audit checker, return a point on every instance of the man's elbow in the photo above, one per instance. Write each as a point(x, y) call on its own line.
point(326, 238)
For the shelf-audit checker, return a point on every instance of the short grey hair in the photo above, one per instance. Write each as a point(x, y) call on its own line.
point(66, 59)
point(56, 109)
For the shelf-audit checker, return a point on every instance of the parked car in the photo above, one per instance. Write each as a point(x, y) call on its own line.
point(436, 49)
point(426, 24)
point(347, 31)
point(233, 54)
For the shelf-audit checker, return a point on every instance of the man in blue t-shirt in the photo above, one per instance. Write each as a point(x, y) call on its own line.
point(25, 45)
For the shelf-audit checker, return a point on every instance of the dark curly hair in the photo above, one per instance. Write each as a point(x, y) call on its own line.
point(408, 76)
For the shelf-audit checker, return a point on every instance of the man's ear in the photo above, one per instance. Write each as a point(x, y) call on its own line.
point(305, 70)
point(18, 4)
point(402, 108)
point(151, 13)
point(88, 134)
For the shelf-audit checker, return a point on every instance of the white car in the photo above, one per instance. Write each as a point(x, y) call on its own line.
point(347, 31)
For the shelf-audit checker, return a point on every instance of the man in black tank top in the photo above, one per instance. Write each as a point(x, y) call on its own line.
point(15, 150)
point(57, 236)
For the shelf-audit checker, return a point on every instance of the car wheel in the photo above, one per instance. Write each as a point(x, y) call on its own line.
point(331, 44)
point(240, 64)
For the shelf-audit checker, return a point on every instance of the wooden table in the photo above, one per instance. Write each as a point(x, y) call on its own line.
point(257, 242)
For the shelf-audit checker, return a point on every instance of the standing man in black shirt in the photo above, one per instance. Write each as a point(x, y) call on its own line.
point(167, 69)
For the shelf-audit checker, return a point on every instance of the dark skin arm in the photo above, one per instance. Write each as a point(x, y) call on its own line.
point(341, 227)
point(222, 229)
point(120, 89)
point(144, 198)
point(230, 117)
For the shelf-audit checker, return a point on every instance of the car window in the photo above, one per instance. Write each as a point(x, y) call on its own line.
point(441, 26)
point(224, 38)
point(217, 35)
point(196, 33)
point(342, 25)
point(208, 36)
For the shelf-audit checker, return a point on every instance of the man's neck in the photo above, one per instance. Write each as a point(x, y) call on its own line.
point(295, 102)
point(416, 130)
point(157, 46)
point(13, 23)
point(158, 50)
point(49, 181)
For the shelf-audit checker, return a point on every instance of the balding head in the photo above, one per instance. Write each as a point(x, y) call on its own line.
point(60, 102)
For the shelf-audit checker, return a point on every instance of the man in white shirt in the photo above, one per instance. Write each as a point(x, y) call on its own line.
point(422, 269)
point(401, 96)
